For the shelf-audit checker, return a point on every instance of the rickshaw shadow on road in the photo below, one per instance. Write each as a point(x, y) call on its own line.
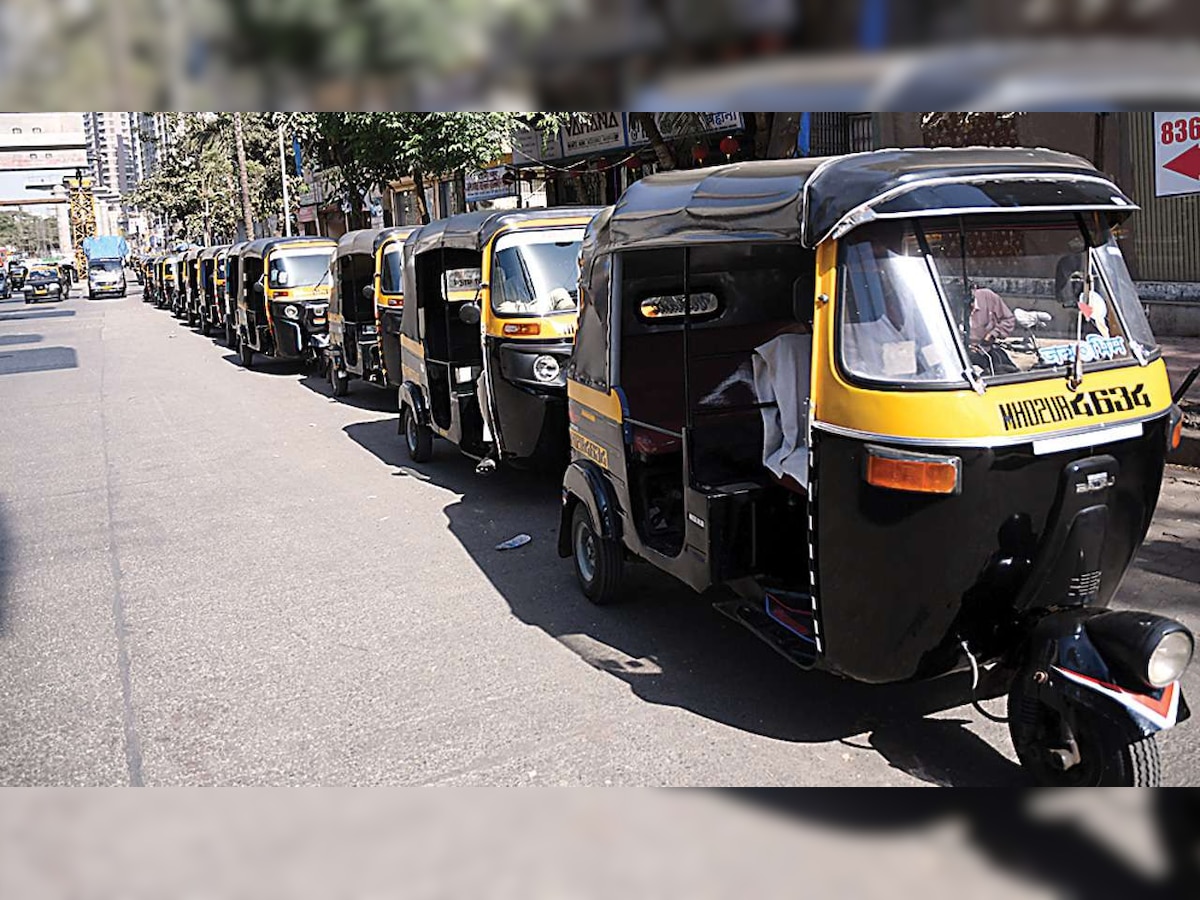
point(1020, 831)
point(361, 396)
point(672, 648)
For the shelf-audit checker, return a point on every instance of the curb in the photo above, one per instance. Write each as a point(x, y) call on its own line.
point(1188, 453)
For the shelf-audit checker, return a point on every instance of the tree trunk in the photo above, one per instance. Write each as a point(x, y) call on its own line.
point(785, 129)
point(242, 176)
point(762, 133)
point(666, 160)
point(422, 207)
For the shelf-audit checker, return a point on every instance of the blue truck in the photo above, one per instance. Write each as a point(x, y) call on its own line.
point(106, 265)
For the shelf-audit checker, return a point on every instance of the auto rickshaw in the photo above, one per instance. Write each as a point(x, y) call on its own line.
point(191, 295)
point(847, 390)
point(210, 307)
point(228, 282)
point(17, 271)
point(43, 281)
point(487, 328)
point(152, 285)
point(169, 276)
point(283, 298)
point(367, 282)
point(389, 303)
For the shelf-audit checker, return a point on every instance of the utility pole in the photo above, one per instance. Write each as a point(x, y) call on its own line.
point(241, 160)
point(283, 178)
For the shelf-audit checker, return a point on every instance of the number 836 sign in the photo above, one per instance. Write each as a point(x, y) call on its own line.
point(1176, 153)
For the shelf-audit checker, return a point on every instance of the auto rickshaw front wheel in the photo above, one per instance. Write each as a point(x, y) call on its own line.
point(599, 561)
point(418, 438)
point(246, 354)
point(1092, 753)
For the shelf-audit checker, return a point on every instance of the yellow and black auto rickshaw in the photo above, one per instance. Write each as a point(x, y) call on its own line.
point(189, 284)
point(211, 313)
point(907, 406)
point(389, 304)
point(150, 281)
point(169, 278)
point(232, 262)
point(283, 298)
point(488, 323)
point(367, 272)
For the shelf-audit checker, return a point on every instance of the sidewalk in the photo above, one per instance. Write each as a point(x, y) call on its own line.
point(1182, 355)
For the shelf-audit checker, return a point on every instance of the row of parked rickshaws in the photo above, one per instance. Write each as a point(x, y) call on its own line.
point(903, 406)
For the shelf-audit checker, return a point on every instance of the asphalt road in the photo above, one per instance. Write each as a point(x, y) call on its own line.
point(213, 576)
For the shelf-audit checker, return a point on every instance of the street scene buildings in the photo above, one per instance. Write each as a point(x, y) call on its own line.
point(599, 448)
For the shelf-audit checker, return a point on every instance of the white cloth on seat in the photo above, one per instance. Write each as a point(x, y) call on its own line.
point(782, 376)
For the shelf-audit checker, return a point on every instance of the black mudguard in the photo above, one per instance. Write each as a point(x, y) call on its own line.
point(584, 482)
point(1068, 672)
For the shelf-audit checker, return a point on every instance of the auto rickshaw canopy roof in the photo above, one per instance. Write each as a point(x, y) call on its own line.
point(213, 252)
point(472, 231)
point(367, 241)
point(263, 246)
point(813, 199)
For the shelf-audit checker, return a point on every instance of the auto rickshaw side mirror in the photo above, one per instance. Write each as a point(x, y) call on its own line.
point(469, 314)
point(368, 293)
point(258, 287)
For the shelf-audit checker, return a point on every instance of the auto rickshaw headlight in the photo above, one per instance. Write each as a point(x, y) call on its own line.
point(291, 311)
point(1169, 659)
point(1141, 647)
point(546, 369)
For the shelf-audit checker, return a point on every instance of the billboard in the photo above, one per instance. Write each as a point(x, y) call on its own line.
point(41, 158)
point(1176, 153)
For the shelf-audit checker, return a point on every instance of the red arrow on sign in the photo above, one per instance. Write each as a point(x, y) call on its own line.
point(1186, 163)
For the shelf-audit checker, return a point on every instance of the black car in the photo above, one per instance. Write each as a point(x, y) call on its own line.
point(44, 283)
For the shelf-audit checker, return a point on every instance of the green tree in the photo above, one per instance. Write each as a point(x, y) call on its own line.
point(195, 187)
point(372, 149)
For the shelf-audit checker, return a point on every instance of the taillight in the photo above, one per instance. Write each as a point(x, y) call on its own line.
point(920, 473)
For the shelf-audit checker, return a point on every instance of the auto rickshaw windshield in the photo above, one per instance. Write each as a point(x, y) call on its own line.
point(946, 301)
point(299, 269)
point(391, 274)
point(536, 273)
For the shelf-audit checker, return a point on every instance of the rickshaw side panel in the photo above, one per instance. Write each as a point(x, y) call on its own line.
point(902, 577)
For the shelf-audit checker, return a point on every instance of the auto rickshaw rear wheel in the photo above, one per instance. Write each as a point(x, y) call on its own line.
point(339, 381)
point(246, 354)
point(418, 438)
point(1095, 753)
point(599, 561)
point(205, 326)
point(230, 335)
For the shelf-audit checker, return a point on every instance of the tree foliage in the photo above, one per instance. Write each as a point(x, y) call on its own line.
point(194, 189)
point(369, 150)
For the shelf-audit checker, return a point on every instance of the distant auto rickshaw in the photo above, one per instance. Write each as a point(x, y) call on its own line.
point(192, 295)
point(44, 281)
point(231, 270)
point(211, 313)
point(170, 278)
point(283, 298)
point(152, 283)
point(389, 304)
point(367, 272)
point(17, 270)
point(804, 380)
point(489, 319)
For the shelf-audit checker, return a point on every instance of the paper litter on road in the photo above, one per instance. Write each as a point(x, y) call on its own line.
point(513, 543)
